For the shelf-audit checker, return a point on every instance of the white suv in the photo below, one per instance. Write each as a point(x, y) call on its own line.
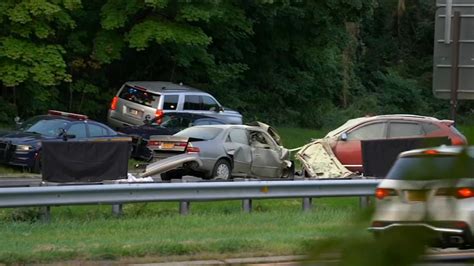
point(429, 190)
point(137, 101)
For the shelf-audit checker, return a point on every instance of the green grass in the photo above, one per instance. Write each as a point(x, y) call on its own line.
point(6, 169)
point(468, 131)
point(212, 230)
point(296, 137)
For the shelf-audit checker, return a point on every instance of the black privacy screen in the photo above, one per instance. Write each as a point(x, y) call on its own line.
point(84, 161)
point(379, 155)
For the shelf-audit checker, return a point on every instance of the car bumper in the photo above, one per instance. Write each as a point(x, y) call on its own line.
point(424, 225)
point(116, 123)
point(444, 234)
point(9, 155)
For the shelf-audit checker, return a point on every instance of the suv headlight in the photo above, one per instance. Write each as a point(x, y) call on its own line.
point(24, 148)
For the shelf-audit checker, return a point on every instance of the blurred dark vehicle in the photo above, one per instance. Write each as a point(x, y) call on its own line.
point(22, 147)
point(168, 124)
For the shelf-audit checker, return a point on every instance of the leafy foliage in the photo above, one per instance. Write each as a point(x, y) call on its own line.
point(307, 63)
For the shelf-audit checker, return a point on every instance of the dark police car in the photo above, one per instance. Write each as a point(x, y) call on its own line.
point(22, 147)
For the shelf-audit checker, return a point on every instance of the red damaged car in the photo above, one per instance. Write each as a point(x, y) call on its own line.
point(344, 142)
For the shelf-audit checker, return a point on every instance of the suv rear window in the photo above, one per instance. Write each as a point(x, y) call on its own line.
point(203, 133)
point(139, 96)
point(432, 167)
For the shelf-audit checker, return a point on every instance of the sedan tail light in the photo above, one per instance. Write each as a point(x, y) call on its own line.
point(153, 143)
point(381, 193)
point(181, 144)
point(191, 149)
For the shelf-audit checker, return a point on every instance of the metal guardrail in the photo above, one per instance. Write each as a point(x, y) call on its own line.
point(144, 192)
point(183, 192)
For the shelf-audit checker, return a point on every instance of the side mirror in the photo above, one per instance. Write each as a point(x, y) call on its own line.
point(344, 136)
point(65, 135)
point(68, 136)
point(216, 109)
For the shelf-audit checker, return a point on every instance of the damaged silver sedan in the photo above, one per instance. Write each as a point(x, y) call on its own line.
point(225, 151)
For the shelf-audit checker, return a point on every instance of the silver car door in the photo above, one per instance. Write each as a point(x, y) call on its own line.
point(266, 155)
point(237, 146)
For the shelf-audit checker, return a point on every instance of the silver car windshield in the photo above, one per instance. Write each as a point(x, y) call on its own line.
point(432, 168)
point(203, 133)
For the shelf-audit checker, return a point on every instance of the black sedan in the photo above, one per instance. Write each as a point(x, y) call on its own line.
point(22, 147)
point(168, 124)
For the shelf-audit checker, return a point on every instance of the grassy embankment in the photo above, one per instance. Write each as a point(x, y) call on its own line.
point(156, 230)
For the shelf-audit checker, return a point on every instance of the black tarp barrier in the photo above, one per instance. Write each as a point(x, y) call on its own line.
point(379, 155)
point(84, 161)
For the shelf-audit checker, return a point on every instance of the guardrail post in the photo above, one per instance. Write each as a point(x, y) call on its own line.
point(184, 207)
point(117, 209)
point(364, 202)
point(45, 214)
point(247, 205)
point(307, 204)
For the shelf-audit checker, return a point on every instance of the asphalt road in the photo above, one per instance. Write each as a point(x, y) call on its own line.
point(435, 257)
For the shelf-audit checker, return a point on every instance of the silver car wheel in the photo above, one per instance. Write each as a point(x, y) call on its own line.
point(222, 171)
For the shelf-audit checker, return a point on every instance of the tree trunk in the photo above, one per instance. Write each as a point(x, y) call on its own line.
point(348, 54)
point(14, 100)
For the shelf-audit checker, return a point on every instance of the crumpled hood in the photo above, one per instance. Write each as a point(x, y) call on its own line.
point(319, 160)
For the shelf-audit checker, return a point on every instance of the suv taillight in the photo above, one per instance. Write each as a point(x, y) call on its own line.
point(464, 192)
point(457, 141)
point(460, 193)
point(159, 115)
point(381, 193)
point(113, 104)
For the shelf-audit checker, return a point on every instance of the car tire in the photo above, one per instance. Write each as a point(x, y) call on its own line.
point(172, 174)
point(222, 170)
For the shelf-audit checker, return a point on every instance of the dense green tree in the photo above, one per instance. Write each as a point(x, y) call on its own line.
point(31, 50)
point(308, 63)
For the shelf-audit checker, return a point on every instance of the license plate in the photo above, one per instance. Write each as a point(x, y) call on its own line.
point(167, 145)
point(134, 111)
point(416, 195)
